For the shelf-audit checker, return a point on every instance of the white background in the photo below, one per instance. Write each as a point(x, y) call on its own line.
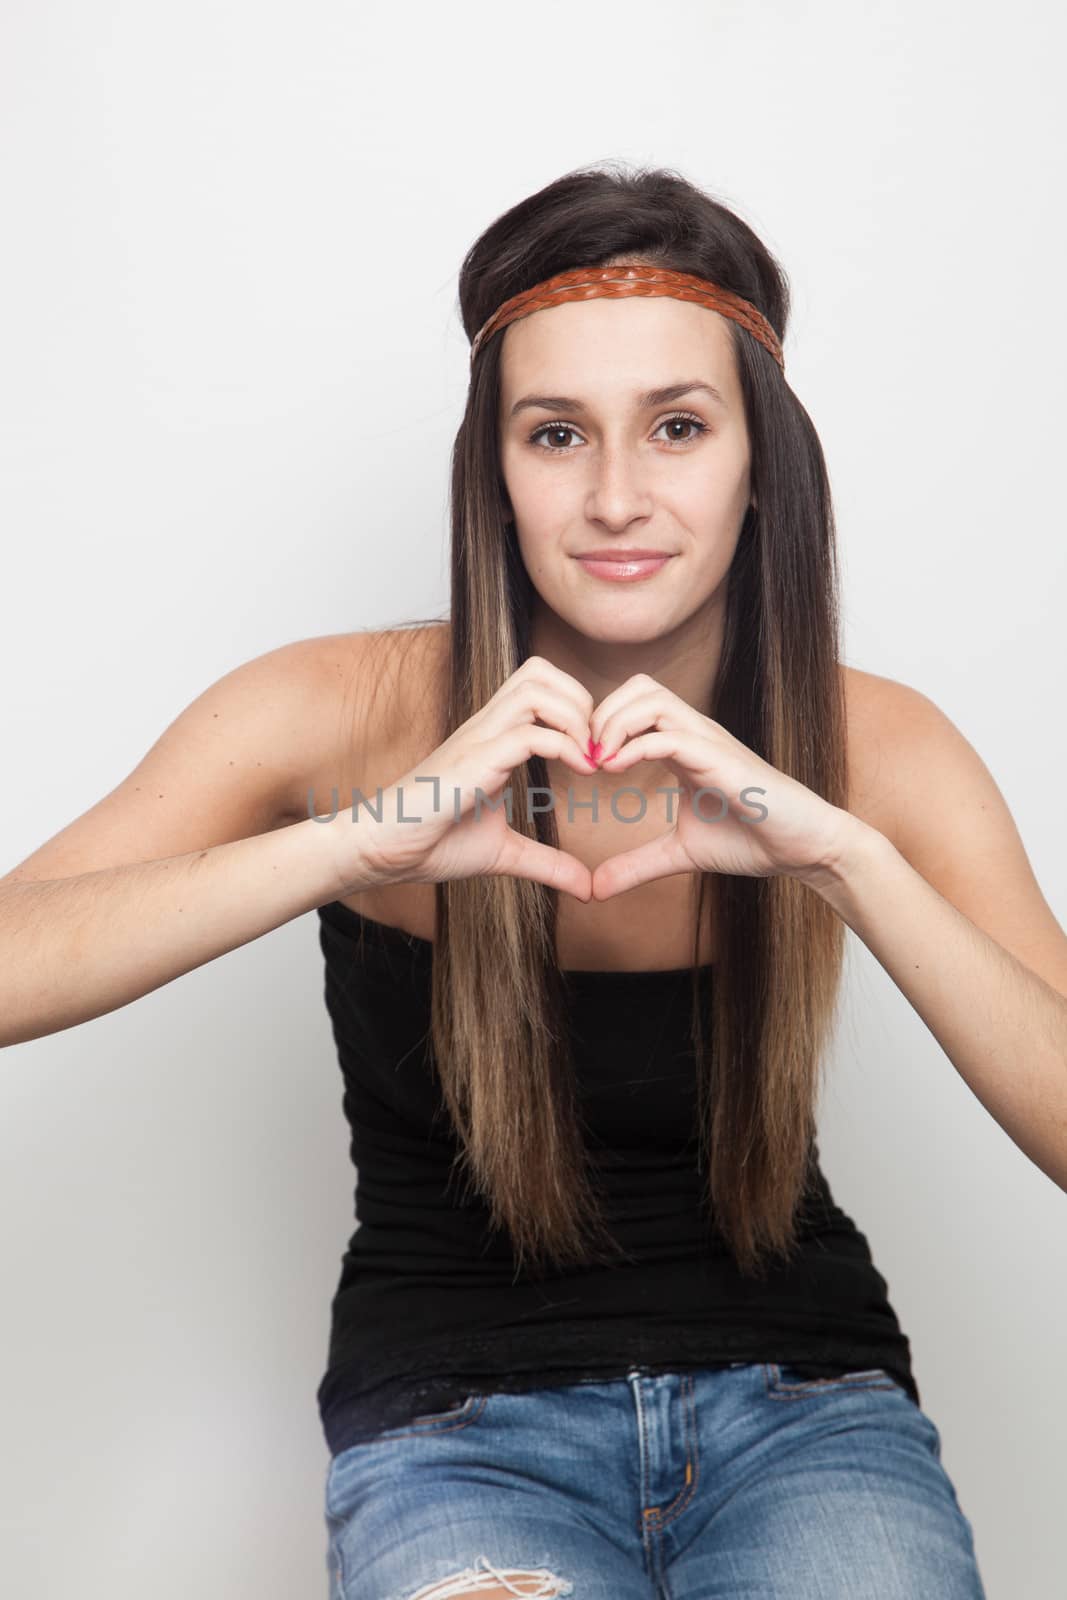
point(232, 371)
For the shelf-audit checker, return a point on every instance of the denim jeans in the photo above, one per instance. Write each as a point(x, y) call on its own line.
point(738, 1483)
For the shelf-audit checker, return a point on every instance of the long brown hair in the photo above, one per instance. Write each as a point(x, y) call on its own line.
point(498, 1028)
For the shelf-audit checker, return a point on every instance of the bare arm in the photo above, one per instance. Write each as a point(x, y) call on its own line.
point(75, 948)
point(202, 848)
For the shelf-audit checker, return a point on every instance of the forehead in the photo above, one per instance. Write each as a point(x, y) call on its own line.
point(606, 347)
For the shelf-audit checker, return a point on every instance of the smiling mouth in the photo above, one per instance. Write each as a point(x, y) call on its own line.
point(621, 567)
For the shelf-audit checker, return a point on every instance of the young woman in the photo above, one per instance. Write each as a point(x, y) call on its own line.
point(583, 854)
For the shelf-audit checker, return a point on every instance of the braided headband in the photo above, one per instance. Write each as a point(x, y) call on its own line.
point(592, 283)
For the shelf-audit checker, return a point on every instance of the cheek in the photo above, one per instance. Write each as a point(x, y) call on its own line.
point(714, 507)
point(541, 494)
point(731, 497)
point(535, 544)
point(543, 506)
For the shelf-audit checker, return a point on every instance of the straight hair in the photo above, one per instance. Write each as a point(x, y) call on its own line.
point(498, 1024)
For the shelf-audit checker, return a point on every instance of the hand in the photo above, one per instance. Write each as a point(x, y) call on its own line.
point(449, 840)
point(767, 824)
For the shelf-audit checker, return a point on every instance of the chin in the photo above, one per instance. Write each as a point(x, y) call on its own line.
point(622, 631)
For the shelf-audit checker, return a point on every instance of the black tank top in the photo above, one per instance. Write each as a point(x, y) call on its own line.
point(430, 1307)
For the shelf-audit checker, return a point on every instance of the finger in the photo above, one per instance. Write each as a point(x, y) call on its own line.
point(658, 710)
point(701, 763)
point(480, 770)
point(687, 755)
point(517, 744)
point(521, 857)
point(526, 701)
point(662, 857)
point(639, 687)
point(544, 671)
point(535, 673)
point(487, 765)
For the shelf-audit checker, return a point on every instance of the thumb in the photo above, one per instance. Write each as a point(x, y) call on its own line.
point(521, 857)
point(658, 858)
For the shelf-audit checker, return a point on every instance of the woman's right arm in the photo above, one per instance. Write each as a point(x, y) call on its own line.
point(208, 844)
point(205, 846)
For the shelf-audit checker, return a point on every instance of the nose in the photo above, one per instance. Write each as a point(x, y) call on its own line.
point(617, 496)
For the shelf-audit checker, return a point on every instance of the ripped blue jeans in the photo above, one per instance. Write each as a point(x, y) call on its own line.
point(712, 1484)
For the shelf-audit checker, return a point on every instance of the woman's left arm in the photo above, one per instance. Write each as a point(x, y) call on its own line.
point(950, 907)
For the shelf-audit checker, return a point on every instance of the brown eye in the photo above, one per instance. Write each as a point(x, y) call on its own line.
point(683, 422)
point(552, 431)
point(549, 428)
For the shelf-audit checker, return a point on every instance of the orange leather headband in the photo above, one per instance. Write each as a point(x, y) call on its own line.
point(591, 283)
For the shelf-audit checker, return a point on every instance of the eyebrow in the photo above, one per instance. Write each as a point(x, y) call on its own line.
point(654, 397)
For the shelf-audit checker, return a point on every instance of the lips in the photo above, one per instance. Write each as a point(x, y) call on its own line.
point(621, 566)
point(617, 553)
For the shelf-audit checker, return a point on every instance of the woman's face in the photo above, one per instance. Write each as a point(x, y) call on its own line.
point(591, 462)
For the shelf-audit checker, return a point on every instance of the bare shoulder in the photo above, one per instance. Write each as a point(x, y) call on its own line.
point(379, 704)
point(948, 817)
point(240, 758)
point(232, 763)
point(901, 744)
point(888, 723)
